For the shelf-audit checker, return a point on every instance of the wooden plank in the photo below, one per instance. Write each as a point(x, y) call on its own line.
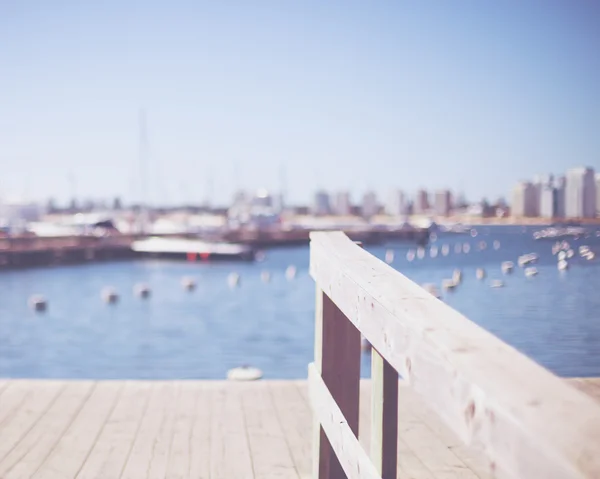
point(200, 440)
point(294, 414)
point(590, 386)
point(111, 450)
point(36, 398)
point(528, 421)
point(28, 455)
point(229, 449)
point(384, 416)
point(271, 455)
point(69, 454)
point(340, 370)
point(352, 457)
point(12, 399)
point(148, 457)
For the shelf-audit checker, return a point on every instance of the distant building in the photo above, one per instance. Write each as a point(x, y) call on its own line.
point(321, 205)
point(559, 196)
point(442, 202)
point(421, 204)
point(547, 197)
point(369, 204)
point(580, 196)
point(538, 185)
point(396, 204)
point(342, 204)
point(523, 200)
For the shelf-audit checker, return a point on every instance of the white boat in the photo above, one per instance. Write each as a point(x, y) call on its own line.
point(420, 252)
point(589, 255)
point(562, 265)
point(192, 250)
point(497, 283)
point(562, 255)
point(445, 250)
point(410, 255)
point(496, 244)
point(583, 249)
point(480, 273)
point(433, 252)
point(449, 284)
point(570, 253)
point(531, 271)
point(507, 267)
point(527, 259)
point(457, 276)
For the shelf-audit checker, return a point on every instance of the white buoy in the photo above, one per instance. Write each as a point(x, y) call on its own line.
point(445, 250)
point(142, 290)
point(480, 273)
point(496, 244)
point(457, 276)
point(38, 303)
point(265, 276)
point(562, 255)
point(420, 252)
point(570, 253)
point(497, 283)
point(290, 272)
point(188, 283)
point(466, 248)
point(507, 267)
point(410, 255)
point(244, 373)
point(109, 295)
point(433, 251)
point(233, 280)
point(562, 265)
point(458, 248)
point(431, 289)
point(531, 271)
point(449, 284)
point(389, 256)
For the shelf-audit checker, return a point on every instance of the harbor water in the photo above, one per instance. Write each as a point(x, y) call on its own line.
point(267, 320)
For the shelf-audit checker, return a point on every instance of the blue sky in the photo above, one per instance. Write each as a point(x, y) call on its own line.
point(339, 95)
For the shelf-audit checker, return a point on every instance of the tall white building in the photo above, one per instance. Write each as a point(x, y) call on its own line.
point(547, 197)
point(524, 200)
point(342, 205)
point(580, 196)
point(321, 204)
point(369, 204)
point(560, 189)
point(442, 202)
point(396, 204)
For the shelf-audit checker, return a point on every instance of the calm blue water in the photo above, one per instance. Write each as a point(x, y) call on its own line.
point(553, 317)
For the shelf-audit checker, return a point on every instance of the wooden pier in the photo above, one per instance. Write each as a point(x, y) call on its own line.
point(469, 406)
point(202, 429)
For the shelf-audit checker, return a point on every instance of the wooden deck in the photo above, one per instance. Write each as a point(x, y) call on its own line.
point(200, 429)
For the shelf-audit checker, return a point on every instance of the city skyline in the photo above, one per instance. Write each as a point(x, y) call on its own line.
point(408, 95)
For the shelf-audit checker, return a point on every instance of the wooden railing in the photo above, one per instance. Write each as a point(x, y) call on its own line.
point(529, 422)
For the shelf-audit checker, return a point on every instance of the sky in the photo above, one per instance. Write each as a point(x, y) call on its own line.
point(341, 95)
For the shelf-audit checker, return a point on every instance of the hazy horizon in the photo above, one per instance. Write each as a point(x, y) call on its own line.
point(336, 96)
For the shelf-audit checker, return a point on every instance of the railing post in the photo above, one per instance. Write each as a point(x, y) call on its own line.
point(384, 416)
point(337, 358)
